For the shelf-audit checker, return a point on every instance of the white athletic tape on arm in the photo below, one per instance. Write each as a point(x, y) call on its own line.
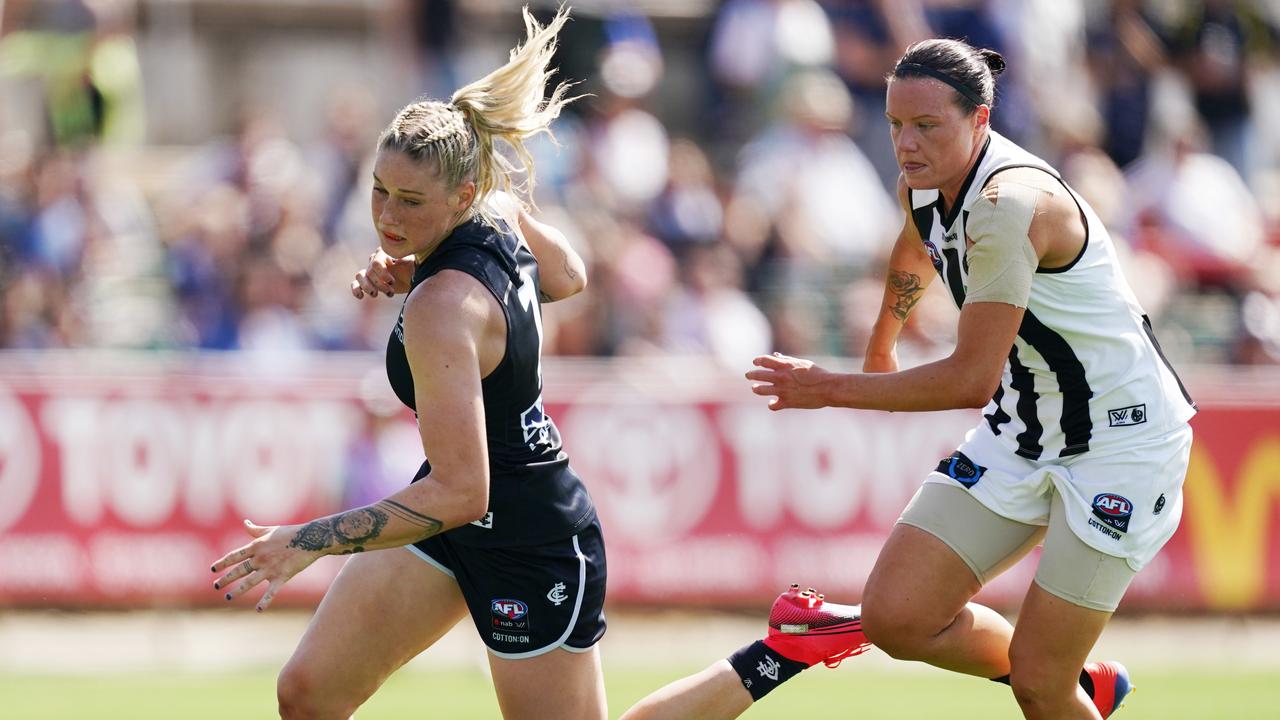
point(1002, 260)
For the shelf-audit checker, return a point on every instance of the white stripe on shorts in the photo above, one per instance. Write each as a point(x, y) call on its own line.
point(430, 561)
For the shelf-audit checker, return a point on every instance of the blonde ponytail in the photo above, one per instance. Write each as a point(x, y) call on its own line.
point(506, 105)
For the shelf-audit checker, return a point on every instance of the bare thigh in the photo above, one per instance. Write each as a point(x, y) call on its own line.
point(916, 607)
point(918, 582)
point(557, 684)
point(383, 609)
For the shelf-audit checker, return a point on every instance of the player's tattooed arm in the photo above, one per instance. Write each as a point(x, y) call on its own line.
point(906, 288)
point(342, 534)
point(567, 267)
point(351, 531)
point(428, 525)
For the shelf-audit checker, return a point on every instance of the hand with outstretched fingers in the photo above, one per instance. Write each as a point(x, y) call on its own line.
point(791, 382)
point(273, 556)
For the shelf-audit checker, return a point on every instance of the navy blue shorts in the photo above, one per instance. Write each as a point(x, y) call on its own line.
point(529, 600)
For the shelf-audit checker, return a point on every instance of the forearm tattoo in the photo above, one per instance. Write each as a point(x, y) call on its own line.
point(429, 525)
point(354, 529)
point(906, 287)
point(349, 530)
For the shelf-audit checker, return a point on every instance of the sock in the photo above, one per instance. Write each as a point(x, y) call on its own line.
point(1086, 681)
point(762, 669)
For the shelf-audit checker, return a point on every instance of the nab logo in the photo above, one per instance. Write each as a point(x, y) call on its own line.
point(1125, 416)
point(510, 609)
point(1113, 510)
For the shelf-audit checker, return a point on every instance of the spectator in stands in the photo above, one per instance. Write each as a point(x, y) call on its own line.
point(812, 187)
point(755, 45)
point(710, 315)
point(688, 212)
point(1124, 54)
point(1217, 44)
point(869, 37)
point(1194, 210)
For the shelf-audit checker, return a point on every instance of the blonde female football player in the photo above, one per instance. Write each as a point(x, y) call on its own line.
point(496, 524)
point(1084, 441)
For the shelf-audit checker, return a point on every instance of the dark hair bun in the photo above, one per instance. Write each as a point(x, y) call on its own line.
point(993, 59)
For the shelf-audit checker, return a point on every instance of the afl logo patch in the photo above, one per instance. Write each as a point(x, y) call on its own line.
point(510, 609)
point(510, 616)
point(1113, 510)
point(934, 255)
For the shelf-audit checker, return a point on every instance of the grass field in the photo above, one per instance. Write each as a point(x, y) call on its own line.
point(463, 694)
point(146, 665)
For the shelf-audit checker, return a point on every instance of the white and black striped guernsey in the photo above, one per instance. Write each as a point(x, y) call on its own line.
point(534, 496)
point(1085, 371)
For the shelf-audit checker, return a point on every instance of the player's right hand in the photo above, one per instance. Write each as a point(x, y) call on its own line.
point(790, 382)
point(384, 274)
point(272, 557)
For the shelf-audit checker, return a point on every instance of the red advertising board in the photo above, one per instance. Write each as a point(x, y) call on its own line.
point(120, 483)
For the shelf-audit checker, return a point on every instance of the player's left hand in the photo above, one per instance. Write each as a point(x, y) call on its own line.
point(792, 382)
point(271, 557)
point(384, 274)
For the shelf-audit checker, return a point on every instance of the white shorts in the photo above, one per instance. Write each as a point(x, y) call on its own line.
point(1124, 502)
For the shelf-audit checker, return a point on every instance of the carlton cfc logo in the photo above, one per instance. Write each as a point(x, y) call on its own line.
point(511, 609)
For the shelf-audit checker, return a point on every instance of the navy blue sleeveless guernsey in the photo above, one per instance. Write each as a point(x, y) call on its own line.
point(534, 496)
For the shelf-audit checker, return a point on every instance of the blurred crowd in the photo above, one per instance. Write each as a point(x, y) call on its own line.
point(756, 217)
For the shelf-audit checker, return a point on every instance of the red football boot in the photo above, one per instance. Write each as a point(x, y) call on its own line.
point(1110, 686)
point(805, 628)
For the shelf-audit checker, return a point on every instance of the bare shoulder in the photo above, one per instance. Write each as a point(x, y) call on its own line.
point(1052, 197)
point(1034, 177)
point(1050, 213)
point(449, 302)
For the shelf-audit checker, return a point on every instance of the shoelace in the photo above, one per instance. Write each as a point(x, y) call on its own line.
point(835, 660)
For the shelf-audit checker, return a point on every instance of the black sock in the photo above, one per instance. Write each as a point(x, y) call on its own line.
point(1086, 681)
point(762, 669)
